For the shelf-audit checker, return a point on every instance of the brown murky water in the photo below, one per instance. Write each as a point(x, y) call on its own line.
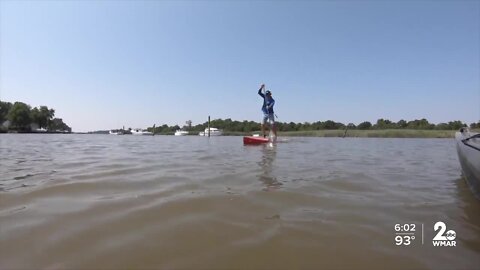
point(165, 202)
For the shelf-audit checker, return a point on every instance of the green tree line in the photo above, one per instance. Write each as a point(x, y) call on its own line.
point(249, 126)
point(22, 117)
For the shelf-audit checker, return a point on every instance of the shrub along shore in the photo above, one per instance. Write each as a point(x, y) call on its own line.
point(386, 133)
point(383, 128)
point(20, 117)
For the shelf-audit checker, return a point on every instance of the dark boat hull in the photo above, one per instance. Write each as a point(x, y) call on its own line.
point(468, 149)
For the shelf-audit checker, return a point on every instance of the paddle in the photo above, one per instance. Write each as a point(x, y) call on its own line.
point(265, 104)
point(264, 95)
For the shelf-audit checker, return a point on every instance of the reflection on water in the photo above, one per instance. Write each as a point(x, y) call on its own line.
point(267, 177)
point(166, 202)
point(469, 212)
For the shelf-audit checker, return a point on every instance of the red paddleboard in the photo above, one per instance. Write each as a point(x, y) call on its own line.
point(255, 140)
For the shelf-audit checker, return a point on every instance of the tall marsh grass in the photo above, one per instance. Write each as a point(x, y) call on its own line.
point(386, 133)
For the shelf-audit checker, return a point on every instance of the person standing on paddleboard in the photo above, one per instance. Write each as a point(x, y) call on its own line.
point(267, 109)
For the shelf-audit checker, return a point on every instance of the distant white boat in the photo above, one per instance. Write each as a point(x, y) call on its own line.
point(116, 132)
point(138, 131)
point(181, 132)
point(40, 130)
point(213, 132)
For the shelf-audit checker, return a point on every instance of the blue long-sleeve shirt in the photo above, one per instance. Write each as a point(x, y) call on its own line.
point(268, 102)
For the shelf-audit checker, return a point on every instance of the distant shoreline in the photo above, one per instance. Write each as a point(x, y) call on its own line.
point(378, 133)
point(34, 132)
point(327, 133)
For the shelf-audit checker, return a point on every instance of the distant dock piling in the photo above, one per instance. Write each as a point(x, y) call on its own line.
point(209, 126)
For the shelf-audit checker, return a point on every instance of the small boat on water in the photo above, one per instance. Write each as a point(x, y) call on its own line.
point(255, 140)
point(181, 132)
point(213, 132)
point(138, 131)
point(116, 132)
point(40, 130)
point(468, 149)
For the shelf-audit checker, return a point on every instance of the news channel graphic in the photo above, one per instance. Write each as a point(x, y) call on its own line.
point(408, 234)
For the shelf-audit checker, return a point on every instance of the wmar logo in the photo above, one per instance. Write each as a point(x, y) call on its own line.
point(443, 239)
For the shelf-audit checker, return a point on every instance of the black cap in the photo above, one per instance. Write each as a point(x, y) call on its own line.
point(268, 93)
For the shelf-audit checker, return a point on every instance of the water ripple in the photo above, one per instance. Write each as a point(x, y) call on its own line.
point(97, 201)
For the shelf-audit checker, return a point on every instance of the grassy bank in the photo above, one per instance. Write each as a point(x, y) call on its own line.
point(386, 133)
point(374, 133)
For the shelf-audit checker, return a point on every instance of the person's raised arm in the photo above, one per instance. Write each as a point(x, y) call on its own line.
point(260, 91)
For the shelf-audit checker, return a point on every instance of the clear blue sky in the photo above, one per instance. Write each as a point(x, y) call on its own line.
point(108, 64)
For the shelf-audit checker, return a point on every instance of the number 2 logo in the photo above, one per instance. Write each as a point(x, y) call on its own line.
point(441, 228)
